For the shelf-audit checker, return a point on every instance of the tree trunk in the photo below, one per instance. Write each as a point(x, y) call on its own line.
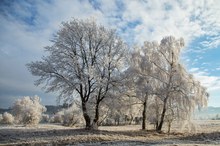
point(169, 127)
point(157, 114)
point(130, 122)
point(162, 115)
point(157, 123)
point(86, 116)
point(144, 115)
point(96, 119)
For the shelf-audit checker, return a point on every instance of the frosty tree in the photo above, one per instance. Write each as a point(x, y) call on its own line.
point(169, 80)
point(6, 118)
point(84, 60)
point(139, 86)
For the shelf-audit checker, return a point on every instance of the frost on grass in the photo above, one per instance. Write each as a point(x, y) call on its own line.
point(53, 134)
point(28, 110)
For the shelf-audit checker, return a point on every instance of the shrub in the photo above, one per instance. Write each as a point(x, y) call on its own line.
point(71, 117)
point(7, 118)
point(28, 110)
point(68, 117)
point(45, 118)
point(57, 118)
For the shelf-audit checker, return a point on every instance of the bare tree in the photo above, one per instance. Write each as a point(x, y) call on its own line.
point(84, 60)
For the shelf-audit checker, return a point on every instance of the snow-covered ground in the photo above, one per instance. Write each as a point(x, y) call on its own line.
point(208, 133)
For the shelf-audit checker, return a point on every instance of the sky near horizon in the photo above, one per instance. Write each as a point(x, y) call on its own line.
point(27, 26)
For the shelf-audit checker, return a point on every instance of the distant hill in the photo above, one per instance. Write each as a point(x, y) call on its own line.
point(2, 110)
point(207, 113)
point(52, 109)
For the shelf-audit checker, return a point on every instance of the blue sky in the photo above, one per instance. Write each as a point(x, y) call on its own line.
point(26, 26)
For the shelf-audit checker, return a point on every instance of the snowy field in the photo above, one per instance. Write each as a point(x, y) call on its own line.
point(207, 133)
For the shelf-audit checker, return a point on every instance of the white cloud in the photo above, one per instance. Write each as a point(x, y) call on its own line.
point(205, 63)
point(188, 19)
point(193, 70)
point(212, 42)
point(212, 83)
point(20, 35)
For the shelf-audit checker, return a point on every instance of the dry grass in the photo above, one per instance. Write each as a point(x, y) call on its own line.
point(49, 134)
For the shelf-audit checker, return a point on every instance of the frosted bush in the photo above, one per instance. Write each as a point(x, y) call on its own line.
point(7, 118)
point(68, 117)
point(71, 116)
point(28, 110)
point(57, 118)
point(45, 118)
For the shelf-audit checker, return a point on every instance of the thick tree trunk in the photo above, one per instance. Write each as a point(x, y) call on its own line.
point(86, 116)
point(144, 115)
point(162, 115)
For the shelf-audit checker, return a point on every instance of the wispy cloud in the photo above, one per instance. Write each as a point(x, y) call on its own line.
point(186, 19)
point(212, 42)
point(193, 70)
point(212, 83)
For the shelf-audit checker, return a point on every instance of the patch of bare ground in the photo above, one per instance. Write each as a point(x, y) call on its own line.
point(48, 134)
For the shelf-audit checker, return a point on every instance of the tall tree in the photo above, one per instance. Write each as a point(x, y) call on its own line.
point(85, 59)
point(160, 62)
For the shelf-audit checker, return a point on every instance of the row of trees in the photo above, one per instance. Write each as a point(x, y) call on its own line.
point(92, 63)
point(28, 111)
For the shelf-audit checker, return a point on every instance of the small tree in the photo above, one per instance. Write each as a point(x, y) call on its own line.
point(7, 118)
point(72, 116)
point(68, 116)
point(45, 118)
point(57, 117)
point(28, 110)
